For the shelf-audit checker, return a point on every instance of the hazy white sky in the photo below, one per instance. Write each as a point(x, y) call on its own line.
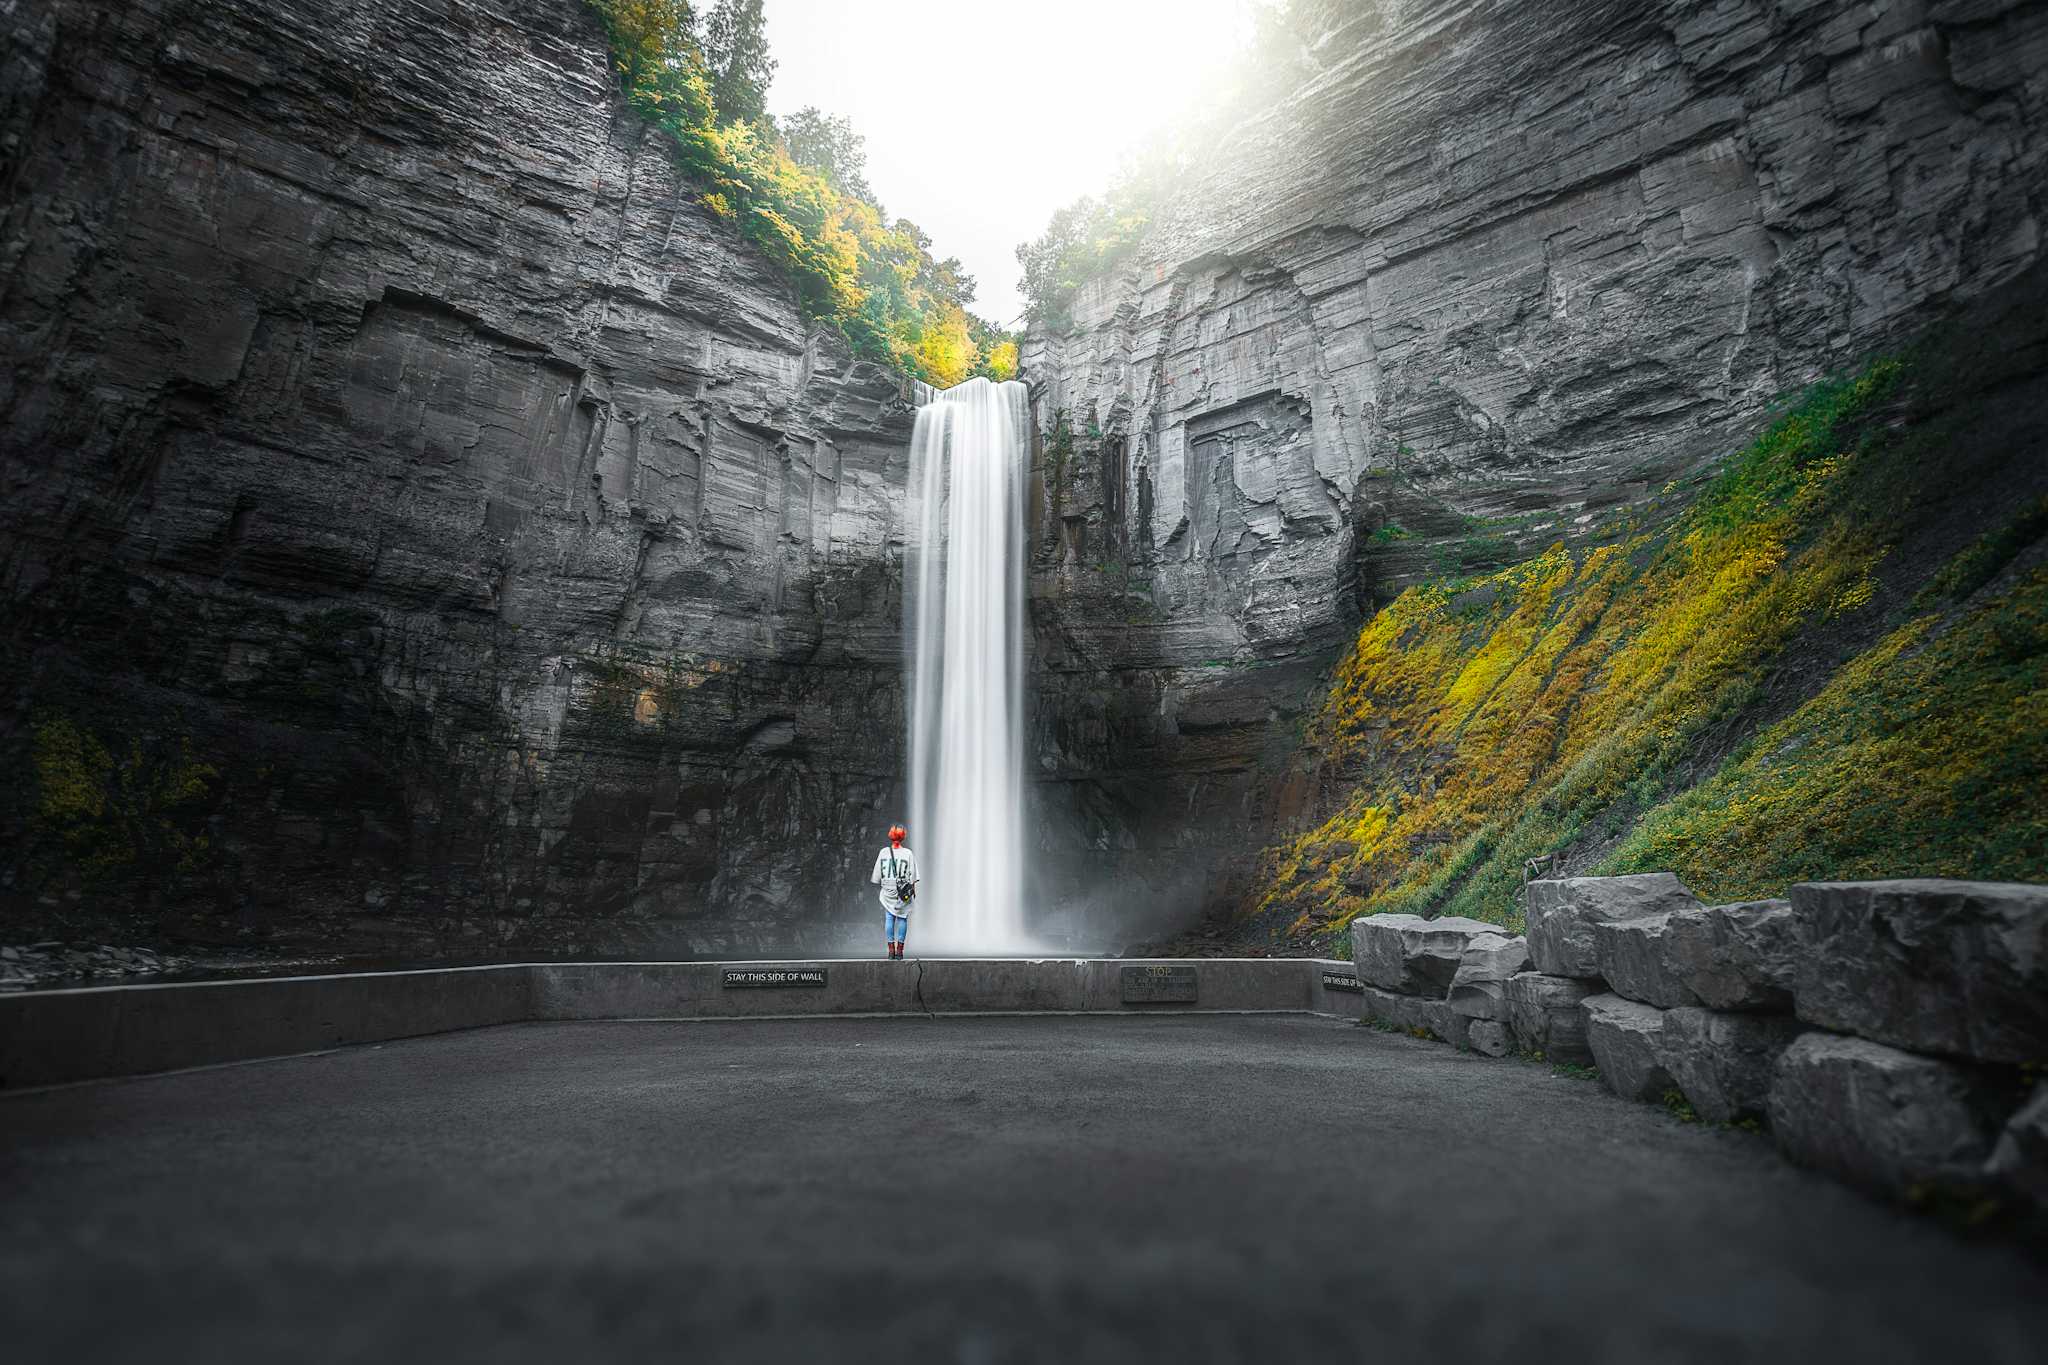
point(981, 119)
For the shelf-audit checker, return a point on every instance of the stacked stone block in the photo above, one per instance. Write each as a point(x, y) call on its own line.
point(1573, 949)
point(1934, 998)
point(1410, 966)
point(1887, 1032)
point(1930, 995)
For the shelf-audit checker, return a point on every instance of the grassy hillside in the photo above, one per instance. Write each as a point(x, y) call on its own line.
point(1833, 663)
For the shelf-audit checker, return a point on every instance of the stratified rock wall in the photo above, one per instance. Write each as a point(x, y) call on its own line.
point(1501, 273)
point(386, 428)
point(420, 517)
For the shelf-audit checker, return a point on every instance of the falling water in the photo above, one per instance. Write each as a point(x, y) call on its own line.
point(965, 584)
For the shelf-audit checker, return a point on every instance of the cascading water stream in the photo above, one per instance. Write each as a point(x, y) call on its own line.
point(965, 621)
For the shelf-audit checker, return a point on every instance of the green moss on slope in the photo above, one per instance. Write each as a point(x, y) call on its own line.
point(1926, 755)
point(1751, 697)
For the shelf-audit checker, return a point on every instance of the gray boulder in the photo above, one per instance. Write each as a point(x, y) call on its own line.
point(1415, 1014)
point(1735, 957)
point(1723, 1063)
point(1543, 1014)
point(1490, 1037)
point(1561, 915)
point(1411, 954)
point(1631, 955)
point(1879, 1117)
point(1936, 966)
point(1479, 990)
point(2019, 1162)
point(1625, 1039)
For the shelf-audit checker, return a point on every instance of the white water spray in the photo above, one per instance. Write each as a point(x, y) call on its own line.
point(965, 620)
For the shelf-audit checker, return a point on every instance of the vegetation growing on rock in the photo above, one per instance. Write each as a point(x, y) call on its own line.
point(106, 810)
point(1751, 696)
point(803, 200)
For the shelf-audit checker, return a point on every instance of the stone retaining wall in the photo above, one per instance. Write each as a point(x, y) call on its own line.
point(1890, 1033)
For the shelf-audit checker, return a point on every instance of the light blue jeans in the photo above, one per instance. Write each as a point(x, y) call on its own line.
point(899, 925)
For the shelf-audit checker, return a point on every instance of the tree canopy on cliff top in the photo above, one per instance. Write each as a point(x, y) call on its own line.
point(803, 197)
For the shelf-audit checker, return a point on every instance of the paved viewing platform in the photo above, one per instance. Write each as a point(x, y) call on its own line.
point(57, 1036)
point(959, 1188)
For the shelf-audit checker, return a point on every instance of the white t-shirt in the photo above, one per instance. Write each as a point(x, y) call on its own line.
point(891, 864)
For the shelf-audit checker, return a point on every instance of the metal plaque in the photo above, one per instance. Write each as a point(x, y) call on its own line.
point(1159, 984)
point(744, 977)
point(1333, 982)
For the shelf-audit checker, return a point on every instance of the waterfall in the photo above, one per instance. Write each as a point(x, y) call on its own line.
point(964, 584)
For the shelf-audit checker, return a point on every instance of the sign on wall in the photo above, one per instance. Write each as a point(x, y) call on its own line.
point(1155, 983)
point(757, 977)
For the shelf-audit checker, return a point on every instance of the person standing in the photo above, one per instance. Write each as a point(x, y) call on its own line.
point(896, 873)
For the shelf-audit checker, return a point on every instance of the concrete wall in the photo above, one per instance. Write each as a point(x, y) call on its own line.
point(692, 990)
point(52, 1037)
point(48, 1037)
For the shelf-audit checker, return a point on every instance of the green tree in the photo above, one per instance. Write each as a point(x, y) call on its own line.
point(827, 144)
point(736, 52)
point(876, 282)
point(649, 36)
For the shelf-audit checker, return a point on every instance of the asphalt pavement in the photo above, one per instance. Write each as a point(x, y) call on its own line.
point(1193, 1188)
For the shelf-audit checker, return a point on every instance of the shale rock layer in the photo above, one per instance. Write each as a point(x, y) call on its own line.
point(445, 523)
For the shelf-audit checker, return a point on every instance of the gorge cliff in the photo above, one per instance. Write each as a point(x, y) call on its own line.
point(429, 526)
point(425, 522)
point(1495, 278)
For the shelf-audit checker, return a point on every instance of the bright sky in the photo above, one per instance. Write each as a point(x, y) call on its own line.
point(981, 119)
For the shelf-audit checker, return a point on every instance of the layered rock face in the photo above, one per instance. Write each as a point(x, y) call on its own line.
point(1498, 275)
point(422, 519)
point(429, 516)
